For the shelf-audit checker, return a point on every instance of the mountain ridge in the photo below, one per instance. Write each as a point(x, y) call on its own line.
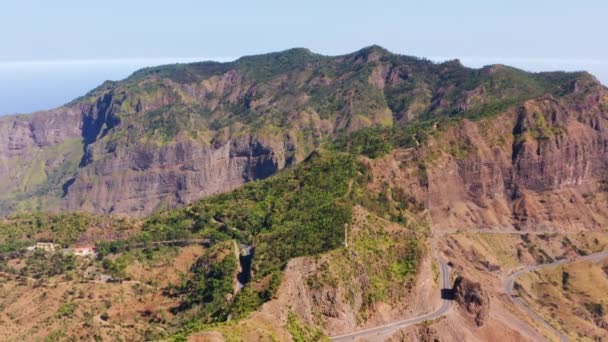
point(364, 172)
point(184, 131)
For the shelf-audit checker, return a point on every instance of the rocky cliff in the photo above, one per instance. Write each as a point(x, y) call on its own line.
point(473, 300)
point(38, 154)
point(168, 135)
point(538, 165)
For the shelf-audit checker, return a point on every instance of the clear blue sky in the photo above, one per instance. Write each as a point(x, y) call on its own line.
point(111, 38)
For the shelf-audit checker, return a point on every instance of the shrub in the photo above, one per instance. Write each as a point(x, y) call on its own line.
point(66, 310)
point(565, 280)
point(302, 333)
point(40, 264)
point(209, 284)
point(596, 309)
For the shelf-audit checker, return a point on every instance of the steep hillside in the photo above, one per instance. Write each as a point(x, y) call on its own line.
point(539, 165)
point(257, 240)
point(169, 135)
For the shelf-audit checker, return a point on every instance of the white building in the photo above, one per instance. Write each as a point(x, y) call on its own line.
point(85, 251)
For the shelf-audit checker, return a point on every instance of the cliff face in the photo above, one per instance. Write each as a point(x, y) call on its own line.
point(146, 178)
point(70, 158)
point(168, 135)
point(38, 154)
point(539, 165)
point(22, 133)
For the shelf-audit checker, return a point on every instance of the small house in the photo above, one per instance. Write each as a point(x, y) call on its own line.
point(45, 246)
point(85, 251)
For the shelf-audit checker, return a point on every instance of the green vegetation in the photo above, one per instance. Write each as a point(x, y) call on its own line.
point(493, 108)
point(116, 269)
point(390, 203)
point(302, 333)
point(36, 180)
point(300, 211)
point(248, 300)
point(394, 262)
point(565, 280)
point(166, 122)
point(354, 91)
point(595, 309)
point(66, 310)
point(265, 67)
point(20, 230)
point(379, 265)
point(542, 130)
point(377, 141)
point(42, 265)
point(180, 73)
point(297, 212)
point(209, 285)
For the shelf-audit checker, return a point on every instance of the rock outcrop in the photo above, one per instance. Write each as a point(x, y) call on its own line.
point(540, 165)
point(472, 299)
point(146, 178)
point(38, 154)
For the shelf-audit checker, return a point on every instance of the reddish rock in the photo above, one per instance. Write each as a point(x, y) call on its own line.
point(472, 299)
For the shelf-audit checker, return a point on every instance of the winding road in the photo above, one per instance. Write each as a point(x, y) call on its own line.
point(380, 332)
point(383, 330)
point(510, 283)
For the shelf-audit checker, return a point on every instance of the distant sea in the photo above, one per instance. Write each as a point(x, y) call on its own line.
point(30, 86)
point(27, 87)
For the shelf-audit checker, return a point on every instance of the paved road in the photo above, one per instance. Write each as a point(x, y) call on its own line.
point(171, 242)
point(384, 330)
point(452, 231)
point(510, 282)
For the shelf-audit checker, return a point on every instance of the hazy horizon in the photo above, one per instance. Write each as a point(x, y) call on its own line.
point(59, 50)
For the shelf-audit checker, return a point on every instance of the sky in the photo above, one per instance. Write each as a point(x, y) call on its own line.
point(54, 51)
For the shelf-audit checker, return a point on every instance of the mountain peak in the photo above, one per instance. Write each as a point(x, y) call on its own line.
point(375, 49)
point(293, 53)
point(371, 53)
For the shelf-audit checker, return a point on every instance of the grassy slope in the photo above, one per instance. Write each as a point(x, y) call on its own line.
point(489, 257)
point(35, 180)
point(572, 297)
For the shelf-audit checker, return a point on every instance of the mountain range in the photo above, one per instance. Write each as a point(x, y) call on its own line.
point(294, 196)
point(168, 135)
